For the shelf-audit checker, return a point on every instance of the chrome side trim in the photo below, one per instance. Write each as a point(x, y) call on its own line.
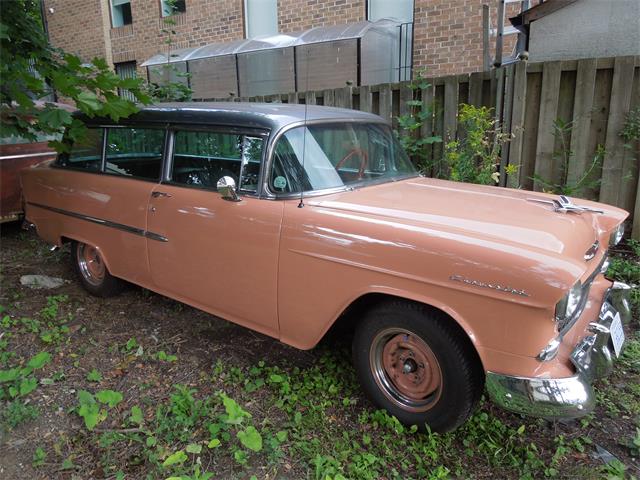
point(106, 223)
point(27, 155)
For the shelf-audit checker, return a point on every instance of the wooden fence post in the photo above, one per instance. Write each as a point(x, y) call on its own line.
point(548, 112)
point(582, 108)
point(517, 121)
point(611, 187)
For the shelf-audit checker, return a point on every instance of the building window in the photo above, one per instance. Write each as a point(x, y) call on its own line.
point(171, 7)
point(398, 9)
point(121, 13)
point(126, 70)
point(260, 17)
point(402, 11)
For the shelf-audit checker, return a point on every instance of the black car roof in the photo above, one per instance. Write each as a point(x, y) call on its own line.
point(272, 116)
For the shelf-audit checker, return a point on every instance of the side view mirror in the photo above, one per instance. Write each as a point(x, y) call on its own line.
point(227, 189)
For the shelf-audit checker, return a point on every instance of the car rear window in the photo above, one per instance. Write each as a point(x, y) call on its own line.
point(135, 152)
point(85, 154)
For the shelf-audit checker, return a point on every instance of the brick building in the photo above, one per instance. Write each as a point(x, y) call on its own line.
point(447, 34)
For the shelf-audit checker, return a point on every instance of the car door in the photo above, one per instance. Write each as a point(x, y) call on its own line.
point(219, 255)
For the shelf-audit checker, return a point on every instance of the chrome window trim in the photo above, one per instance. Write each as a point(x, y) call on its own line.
point(245, 132)
point(273, 140)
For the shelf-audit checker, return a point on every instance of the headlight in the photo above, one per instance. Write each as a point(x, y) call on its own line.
point(616, 235)
point(568, 305)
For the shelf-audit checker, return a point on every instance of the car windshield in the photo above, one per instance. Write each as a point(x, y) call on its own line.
point(329, 156)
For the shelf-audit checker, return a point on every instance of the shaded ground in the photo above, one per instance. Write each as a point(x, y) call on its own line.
point(188, 393)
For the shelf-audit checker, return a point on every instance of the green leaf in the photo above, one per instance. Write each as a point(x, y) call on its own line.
point(281, 435)
point(100, 63)
point(213, 443)
point(39, 456)
point(194, 448)
point(250, 438)
point(88, 102)
point(235, 413)
point(94, 376)
point(240, 456)
point(89, 410)
point(9, 375)
point(275, 378)
point(109, 397)
point(54, 118)
point(40, 360)
point(151, 441)
point(175, 458)
point(28, 385)
point(129, 83)
point(136, 415)
point(117, 108)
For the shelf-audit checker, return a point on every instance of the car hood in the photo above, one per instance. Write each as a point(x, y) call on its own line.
point(502, 215)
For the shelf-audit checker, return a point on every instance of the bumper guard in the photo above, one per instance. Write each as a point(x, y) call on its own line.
point(573, 396)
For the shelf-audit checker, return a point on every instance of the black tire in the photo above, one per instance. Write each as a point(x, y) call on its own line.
point(399, 340)
point(101, 285)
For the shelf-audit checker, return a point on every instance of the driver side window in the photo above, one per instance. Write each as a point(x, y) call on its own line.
point(202, 158)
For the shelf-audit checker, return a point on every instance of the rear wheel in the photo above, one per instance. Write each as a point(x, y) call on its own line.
point(418, 365)
point(93, 272)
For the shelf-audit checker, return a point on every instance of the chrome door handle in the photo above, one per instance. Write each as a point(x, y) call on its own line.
point(160, 194)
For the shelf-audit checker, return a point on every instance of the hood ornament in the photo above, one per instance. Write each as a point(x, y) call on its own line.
point(564, 204)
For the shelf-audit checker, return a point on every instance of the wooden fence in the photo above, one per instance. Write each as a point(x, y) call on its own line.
point(592, 96)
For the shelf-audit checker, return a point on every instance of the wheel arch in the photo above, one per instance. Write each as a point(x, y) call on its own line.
point(347, 320)
point(69, 239)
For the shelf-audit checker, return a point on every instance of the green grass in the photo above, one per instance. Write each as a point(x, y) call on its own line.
point(265, 420)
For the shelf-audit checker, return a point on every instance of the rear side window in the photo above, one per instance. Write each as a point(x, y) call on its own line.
point(201, 158)
point(85, 154)
point(135, 152)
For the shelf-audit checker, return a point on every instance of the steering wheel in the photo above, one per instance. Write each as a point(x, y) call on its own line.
point(364, 160)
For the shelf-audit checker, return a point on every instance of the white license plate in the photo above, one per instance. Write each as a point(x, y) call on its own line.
point(617, 334)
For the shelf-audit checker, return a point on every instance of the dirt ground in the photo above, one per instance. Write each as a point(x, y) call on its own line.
point(98, 335)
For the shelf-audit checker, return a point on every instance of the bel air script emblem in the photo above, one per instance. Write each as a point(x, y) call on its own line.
point(478, 283)
point(565, 205)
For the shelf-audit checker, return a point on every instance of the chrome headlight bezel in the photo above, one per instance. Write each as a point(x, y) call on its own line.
point(568, 305)
point(616, 235)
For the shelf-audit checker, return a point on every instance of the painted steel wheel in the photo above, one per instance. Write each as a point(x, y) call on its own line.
point(90, 264)
point(418, 364)
point(405, 369)
point(94, 275)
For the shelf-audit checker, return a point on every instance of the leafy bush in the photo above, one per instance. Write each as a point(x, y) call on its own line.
point(475, 157)
point(416, 146)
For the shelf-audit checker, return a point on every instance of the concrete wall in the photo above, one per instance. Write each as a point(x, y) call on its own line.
point(586, 29)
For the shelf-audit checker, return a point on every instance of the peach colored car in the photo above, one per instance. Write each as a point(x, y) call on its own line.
point(449, 288)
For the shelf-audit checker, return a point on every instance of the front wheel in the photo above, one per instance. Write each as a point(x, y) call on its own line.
point(418, 365)
point(93, 272)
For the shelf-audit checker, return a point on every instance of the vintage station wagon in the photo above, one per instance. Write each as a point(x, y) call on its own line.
point(290, 220)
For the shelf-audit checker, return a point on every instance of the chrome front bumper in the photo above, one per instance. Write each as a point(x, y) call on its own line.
point(572, 396)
